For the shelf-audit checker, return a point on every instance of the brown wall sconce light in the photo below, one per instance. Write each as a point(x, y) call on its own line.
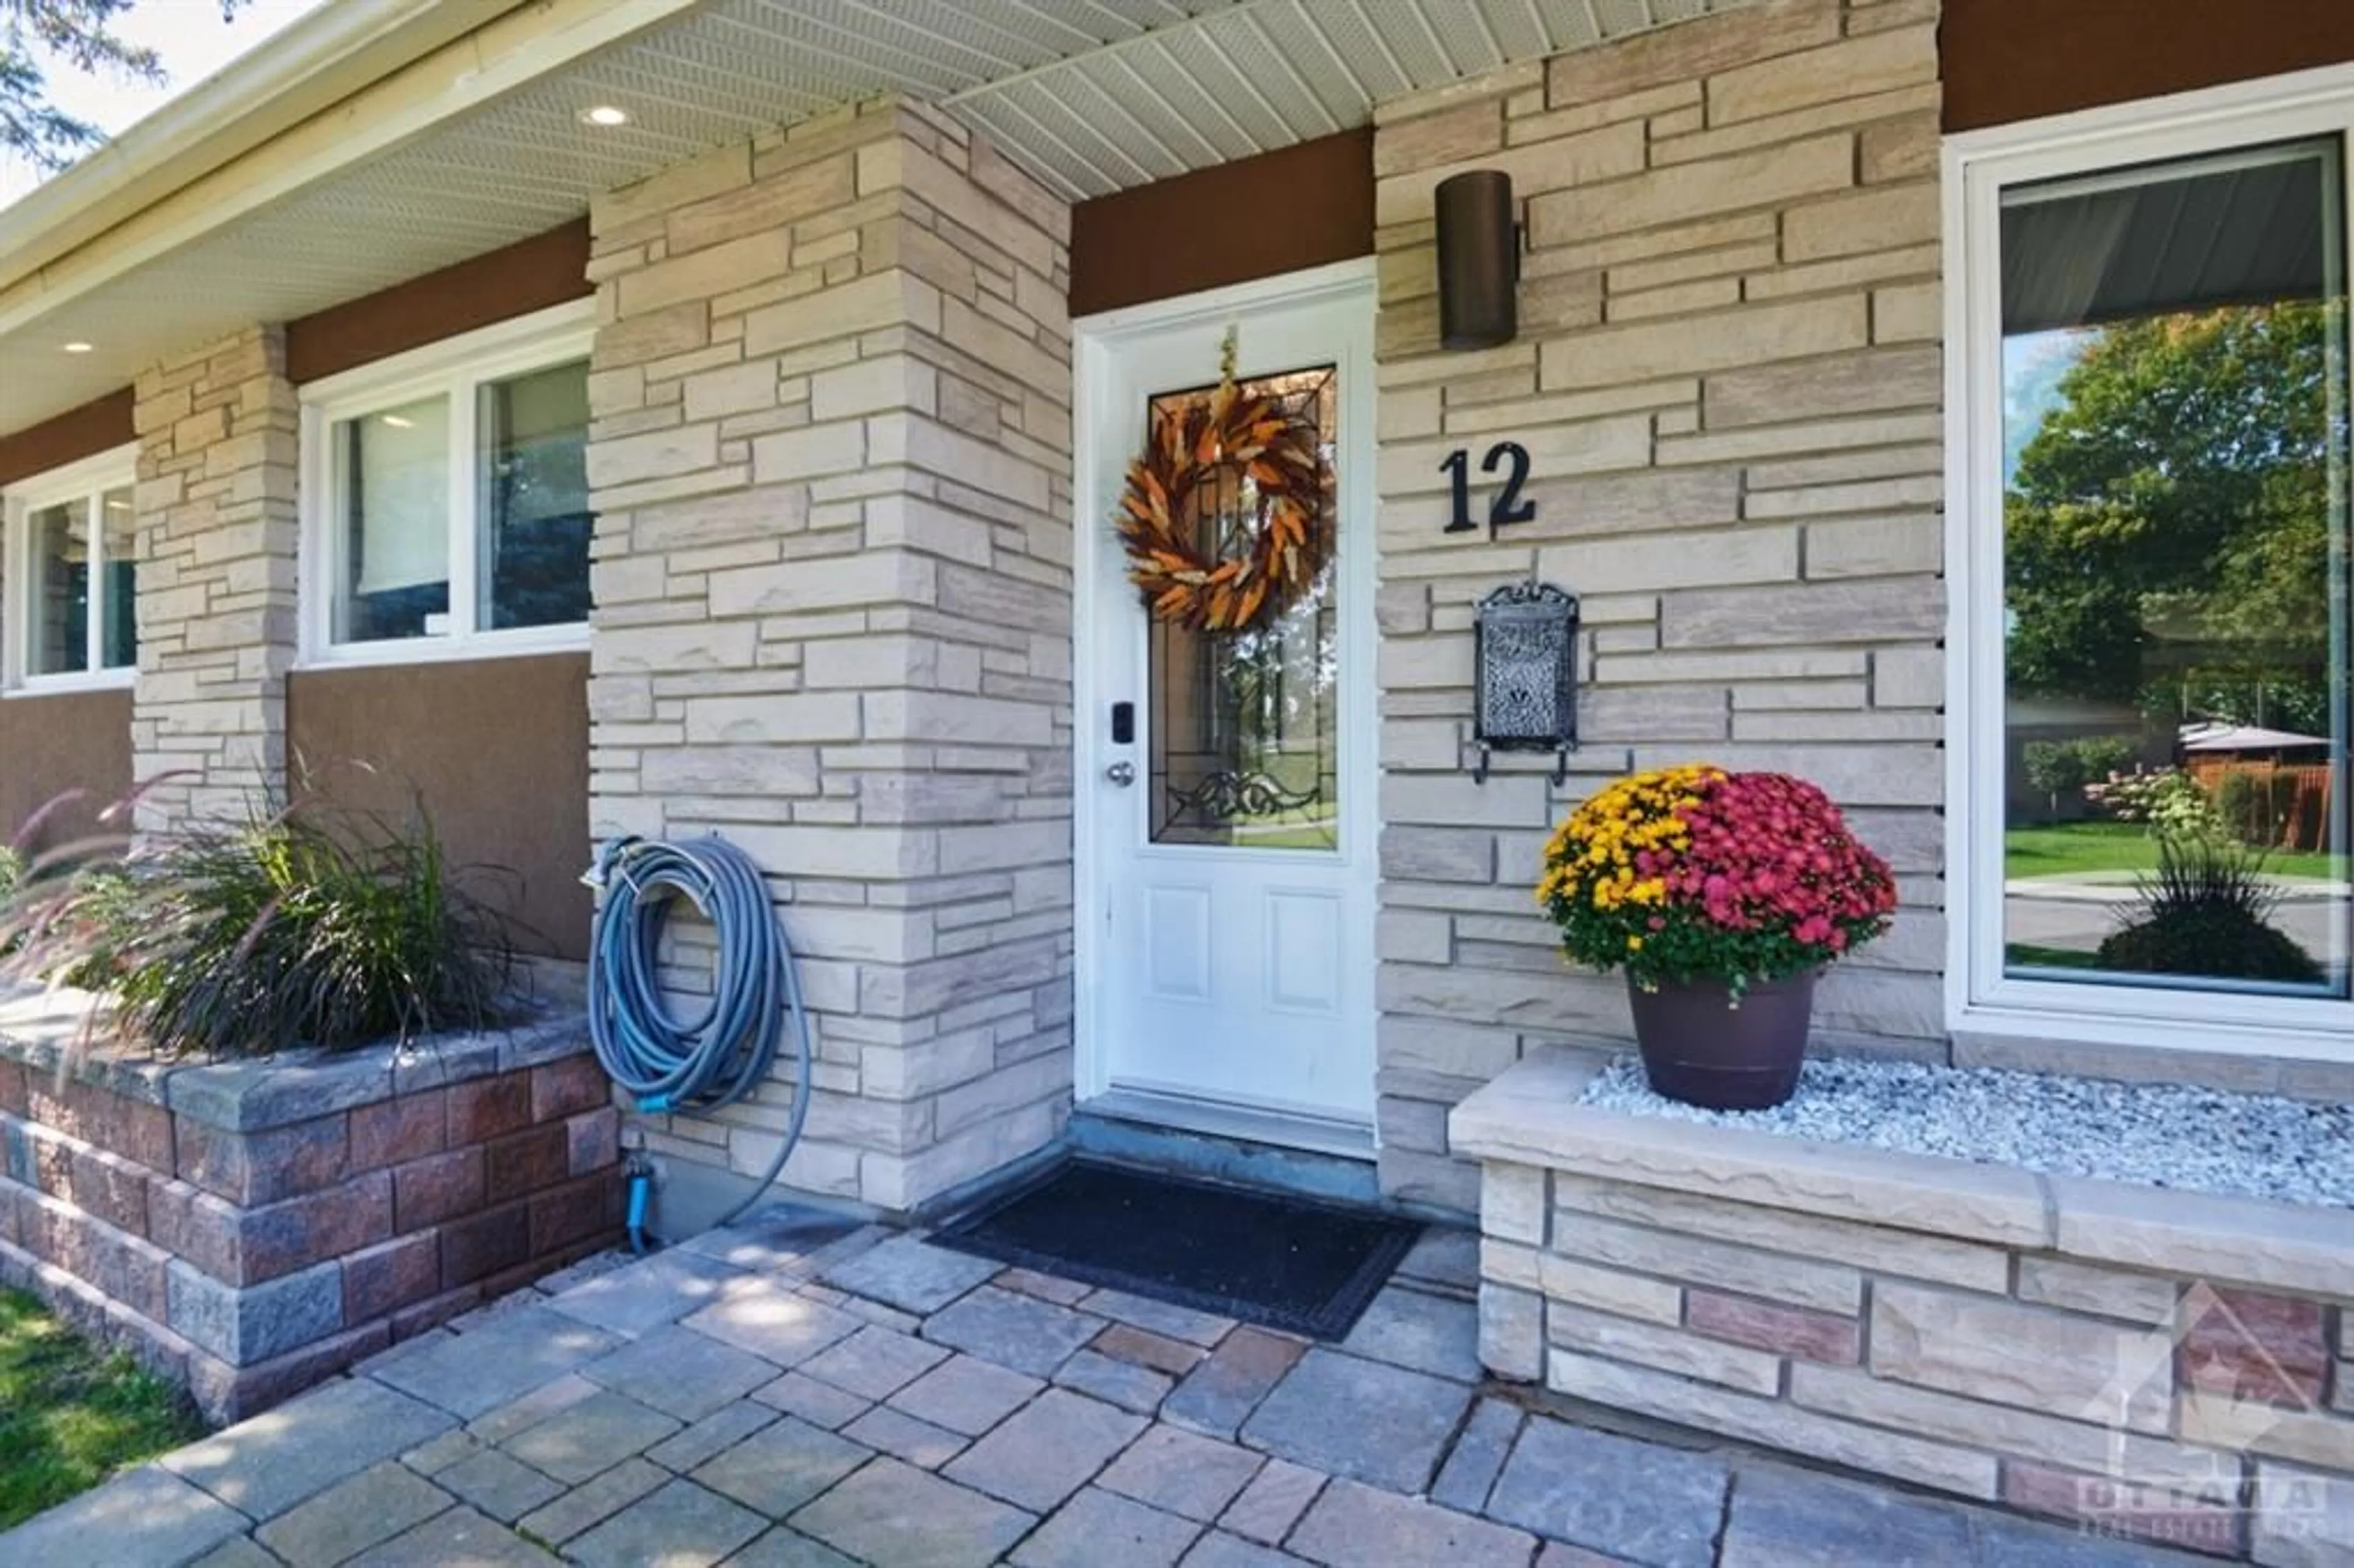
point(1478, 260)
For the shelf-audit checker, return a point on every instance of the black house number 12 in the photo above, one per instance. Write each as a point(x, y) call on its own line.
point(1505, 506)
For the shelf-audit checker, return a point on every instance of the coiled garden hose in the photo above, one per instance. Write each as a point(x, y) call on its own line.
point(719, 1055)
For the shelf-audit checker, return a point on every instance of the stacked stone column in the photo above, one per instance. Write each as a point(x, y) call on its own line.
point(219, 433)
point(832, 393)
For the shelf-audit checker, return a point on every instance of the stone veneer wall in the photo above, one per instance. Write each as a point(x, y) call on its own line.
point(1728, 377)
point(250, 1228)
point(1987, 1371)
point(831, 464)
point(217, 438)
point(2171, 1365)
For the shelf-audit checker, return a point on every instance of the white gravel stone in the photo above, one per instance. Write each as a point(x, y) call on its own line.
point(2159, 1135)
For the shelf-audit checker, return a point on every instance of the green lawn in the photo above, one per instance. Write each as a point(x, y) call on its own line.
point(2028, 955)
point(71, 1415)
point(2075, 849)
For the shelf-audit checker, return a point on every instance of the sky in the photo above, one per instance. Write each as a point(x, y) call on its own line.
point(2033, 366)
point(194, 43)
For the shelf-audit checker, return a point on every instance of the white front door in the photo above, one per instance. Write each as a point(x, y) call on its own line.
point(1226, 808)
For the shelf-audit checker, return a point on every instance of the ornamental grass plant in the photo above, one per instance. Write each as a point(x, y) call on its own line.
point(1696, 874)
point(303, 926)
point(2208, 910)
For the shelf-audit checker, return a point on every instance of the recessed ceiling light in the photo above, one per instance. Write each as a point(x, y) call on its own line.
point(399, 423)
point(605, 114)
point(76, 346)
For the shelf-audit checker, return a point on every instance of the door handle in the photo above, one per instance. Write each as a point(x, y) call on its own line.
point(1121, 773)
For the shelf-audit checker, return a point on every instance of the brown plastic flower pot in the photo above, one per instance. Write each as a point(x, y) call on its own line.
point(1699, 1048)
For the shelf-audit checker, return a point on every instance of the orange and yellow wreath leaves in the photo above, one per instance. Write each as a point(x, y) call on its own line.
point(1272, 446)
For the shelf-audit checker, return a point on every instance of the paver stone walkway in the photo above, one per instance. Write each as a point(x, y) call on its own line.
point(798, 1391)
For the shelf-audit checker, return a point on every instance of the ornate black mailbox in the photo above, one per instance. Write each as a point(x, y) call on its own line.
point(1524, 643)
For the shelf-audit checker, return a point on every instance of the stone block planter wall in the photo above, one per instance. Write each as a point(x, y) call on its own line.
point(2170, 1365)
point(250, 1228)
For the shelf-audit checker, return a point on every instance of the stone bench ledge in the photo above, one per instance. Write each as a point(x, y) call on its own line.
point(1530, 1116)
point(45, 1028)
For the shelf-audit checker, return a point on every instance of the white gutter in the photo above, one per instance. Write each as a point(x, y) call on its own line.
point(305, 67)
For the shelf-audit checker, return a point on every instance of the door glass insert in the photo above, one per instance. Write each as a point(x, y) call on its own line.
point(1245, 738)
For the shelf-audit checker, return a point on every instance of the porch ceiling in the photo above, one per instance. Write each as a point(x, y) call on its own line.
point(486, 146)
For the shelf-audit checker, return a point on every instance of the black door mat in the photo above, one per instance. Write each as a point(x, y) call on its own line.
point(1269, 1258)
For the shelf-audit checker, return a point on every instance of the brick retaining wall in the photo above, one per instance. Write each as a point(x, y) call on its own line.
point(2174, 1366)
point(250, 1228)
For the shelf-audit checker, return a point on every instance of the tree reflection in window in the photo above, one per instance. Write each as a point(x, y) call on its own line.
point(2175, 548)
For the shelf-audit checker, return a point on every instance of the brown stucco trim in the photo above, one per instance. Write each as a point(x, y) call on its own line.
point(497, 751)
point(1255, 217)
point(550, 269)
point(2005, 60)
point(99, 425)
point(54, 742)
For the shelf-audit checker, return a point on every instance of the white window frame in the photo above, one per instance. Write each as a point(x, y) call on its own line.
point(88, 479)
point(456, 368)
point(1979, 998)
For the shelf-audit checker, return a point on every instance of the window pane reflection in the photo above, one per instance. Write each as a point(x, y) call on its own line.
point(392, 495)
point(2174, 549)
point(118, 635)
point(535, 517)
point(58, 605)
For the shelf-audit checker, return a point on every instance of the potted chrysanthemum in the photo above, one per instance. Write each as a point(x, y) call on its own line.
point(1722, 896)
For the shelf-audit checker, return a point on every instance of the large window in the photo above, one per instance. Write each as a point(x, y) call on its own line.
point(71, 610)
point(2152, 529)
point(448, 493)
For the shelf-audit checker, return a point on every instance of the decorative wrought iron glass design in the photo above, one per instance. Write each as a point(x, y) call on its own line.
point(1245, 742)
point(1525, 655)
